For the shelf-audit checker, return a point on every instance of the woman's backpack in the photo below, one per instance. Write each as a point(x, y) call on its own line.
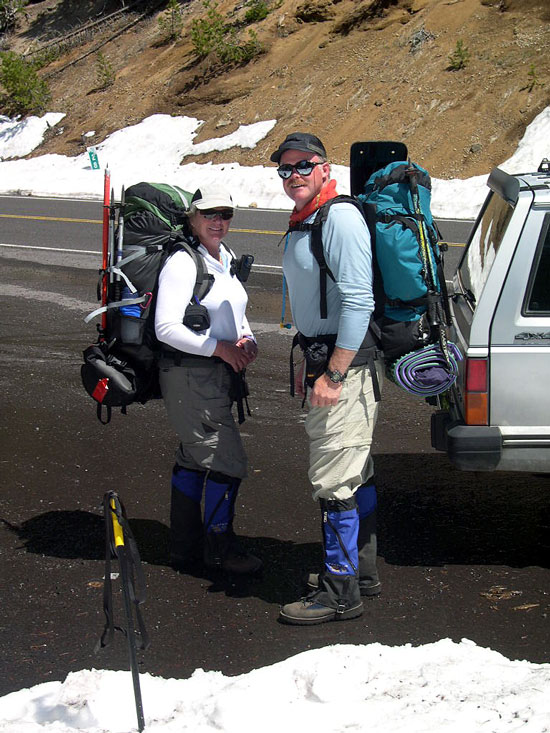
point(121, 367)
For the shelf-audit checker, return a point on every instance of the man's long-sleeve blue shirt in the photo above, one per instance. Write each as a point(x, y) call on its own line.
point(350, 302)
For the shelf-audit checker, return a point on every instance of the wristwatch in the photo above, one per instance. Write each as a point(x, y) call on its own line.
point(335, 376)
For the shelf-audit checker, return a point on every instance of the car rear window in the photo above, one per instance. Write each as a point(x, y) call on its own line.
point(478, 259)
point(538, 300)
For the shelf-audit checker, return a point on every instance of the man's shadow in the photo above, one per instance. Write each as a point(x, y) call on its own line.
point(79, 534)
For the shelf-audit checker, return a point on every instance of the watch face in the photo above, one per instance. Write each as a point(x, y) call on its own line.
point(335, 376)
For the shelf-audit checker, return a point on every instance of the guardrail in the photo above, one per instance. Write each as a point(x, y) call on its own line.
point(86, 32)
point(83, 33)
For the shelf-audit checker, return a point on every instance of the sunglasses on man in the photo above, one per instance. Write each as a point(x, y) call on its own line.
point(302, 167)
point(212, 214)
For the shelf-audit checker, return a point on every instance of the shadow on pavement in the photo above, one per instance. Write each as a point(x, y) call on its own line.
point(81, 535)
point(427, 516)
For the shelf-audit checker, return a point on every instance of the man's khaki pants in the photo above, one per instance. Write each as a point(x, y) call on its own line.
point(340, 437)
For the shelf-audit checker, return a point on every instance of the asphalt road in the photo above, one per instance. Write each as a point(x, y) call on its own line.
point(461, 555)
point(69, 232)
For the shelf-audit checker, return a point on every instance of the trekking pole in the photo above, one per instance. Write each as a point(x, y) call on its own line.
point(283, 306)
point(427, 260)
point(121, 543)
point(105, 249)
point(112, 216)
point(120, 244)
point(424, 247)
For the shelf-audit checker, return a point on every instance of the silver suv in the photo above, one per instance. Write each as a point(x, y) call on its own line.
point(497, 416)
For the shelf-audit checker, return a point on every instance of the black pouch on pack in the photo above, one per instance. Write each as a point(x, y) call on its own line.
point(401, 337)
point(316, 356)
point(196, 317)
point(110, 381)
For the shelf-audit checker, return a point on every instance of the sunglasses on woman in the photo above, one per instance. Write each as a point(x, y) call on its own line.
point(215, 214)
point(302, 167)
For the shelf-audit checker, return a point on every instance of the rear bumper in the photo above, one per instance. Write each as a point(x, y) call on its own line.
point(469, 447)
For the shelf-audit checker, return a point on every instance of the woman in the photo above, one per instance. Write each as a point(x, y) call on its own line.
point(195, 378)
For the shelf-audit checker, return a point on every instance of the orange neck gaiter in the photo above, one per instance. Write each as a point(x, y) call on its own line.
point(325, 194)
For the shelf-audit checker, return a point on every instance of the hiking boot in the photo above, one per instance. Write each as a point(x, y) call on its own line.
point(309, 611)
point(367, 588)
point(337, 599)
point(222, 552)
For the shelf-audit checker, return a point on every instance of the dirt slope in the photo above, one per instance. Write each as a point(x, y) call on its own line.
point(344, 69)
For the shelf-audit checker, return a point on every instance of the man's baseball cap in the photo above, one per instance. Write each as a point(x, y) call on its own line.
point(212, 196)
point(299, 141)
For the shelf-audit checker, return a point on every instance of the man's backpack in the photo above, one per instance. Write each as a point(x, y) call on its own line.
point(121, 367)
point(408, 256)
point(409, 286)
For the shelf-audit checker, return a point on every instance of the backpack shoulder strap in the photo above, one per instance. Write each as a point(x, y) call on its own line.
point(316, 228)
point(204, 280)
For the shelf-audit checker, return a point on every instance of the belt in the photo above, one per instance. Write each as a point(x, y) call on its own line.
point(367, 354)
point(182, 358)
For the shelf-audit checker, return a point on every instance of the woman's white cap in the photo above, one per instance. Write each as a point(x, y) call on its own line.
point(212, 197)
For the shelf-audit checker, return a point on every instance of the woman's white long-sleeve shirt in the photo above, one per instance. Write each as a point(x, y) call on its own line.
point(226, 302)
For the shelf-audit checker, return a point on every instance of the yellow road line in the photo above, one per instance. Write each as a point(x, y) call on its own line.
point(234, 230)
point(98, 221)
point(51, 218)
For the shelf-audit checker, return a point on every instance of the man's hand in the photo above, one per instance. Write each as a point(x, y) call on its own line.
point(324, 393)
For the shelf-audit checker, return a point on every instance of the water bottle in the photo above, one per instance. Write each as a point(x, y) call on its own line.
point(130, 310)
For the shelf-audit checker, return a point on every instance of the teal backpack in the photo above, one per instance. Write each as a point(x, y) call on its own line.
point(409, 258)
point(407, 248)
point(411, 309)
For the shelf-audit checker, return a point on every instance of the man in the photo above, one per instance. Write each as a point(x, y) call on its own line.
point(342, 400)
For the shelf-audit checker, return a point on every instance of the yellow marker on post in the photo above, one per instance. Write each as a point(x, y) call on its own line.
point(133, 596)
point(118, 532)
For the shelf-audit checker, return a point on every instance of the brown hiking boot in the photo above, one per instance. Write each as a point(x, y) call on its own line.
point(308, 611)
point(337, 599)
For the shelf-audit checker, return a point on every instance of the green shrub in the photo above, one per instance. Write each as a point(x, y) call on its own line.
point(207, 33)
point(233, 52)
point(212, 35)
point(171, 22)
point(459, 57)
point(26, 93)
point(533, 79)
point(104, 72)
point(8, 13)
point(46, 56)
point(257, 10)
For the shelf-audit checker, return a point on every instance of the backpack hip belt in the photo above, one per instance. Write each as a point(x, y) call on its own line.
point(183, 358)
point(317, 351)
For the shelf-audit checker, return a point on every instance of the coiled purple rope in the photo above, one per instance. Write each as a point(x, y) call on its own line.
point(426, 372)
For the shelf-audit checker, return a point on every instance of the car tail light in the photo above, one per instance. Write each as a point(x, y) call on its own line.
point(476, 399)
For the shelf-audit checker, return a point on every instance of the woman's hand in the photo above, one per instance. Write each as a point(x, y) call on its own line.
point(232, 354)
point(249, 346)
